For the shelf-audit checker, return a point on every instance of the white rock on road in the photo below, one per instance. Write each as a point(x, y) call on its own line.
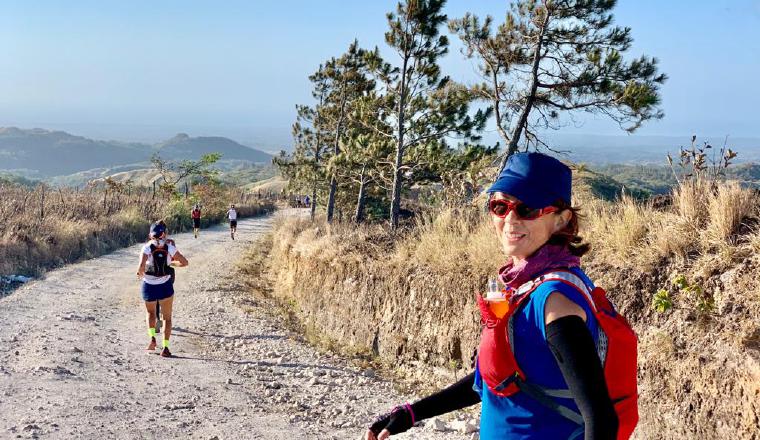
point(73, 361)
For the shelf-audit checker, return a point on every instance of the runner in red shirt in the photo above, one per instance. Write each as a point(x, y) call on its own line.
point(196, 215)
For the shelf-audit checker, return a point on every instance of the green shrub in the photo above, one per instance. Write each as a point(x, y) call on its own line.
point(661, 302)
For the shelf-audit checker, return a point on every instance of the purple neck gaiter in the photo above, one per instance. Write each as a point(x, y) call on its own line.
point(546, 258)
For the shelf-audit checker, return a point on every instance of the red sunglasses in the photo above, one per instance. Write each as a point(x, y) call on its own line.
point(501, 208)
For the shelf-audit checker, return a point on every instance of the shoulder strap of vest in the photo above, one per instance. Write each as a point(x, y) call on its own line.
point(523, 292)
point(562, 275)
point(154, 248)
point(542, 395)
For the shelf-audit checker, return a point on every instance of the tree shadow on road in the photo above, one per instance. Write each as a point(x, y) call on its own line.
point(260, 363)
point(179, 332)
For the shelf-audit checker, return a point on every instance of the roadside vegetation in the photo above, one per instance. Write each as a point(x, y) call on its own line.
point(45, 227)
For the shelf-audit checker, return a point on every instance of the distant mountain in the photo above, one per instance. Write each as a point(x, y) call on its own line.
point(15, 179)
point(50, 153)
point(235, 171)
point(183, 145)
point(43, 153)
point(659, 179)
point(635, 149)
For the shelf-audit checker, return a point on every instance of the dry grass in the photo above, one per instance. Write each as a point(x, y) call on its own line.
point(753, 241)
point(704, 221)
point(730, 206)
point(690, 201)
point(273, 185)
point(451, 241)
point(45, 227)
point(617, 231)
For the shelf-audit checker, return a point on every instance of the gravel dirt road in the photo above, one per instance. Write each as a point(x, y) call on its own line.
point(73, 362)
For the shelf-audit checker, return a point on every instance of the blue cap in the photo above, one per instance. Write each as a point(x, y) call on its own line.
point(156, 229)
point(535, 179)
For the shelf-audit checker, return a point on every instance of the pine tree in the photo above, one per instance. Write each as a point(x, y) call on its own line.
point(363, 160)
point(422, 104)
point(558, 56)
point(346, 82)
point(305, 167)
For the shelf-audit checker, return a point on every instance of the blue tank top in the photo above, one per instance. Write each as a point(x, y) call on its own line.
point(520, 417)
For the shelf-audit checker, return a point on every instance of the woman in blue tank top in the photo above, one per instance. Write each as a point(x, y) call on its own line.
point(550, 384)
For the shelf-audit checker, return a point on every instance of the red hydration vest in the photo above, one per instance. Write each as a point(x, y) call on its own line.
point(616, 346)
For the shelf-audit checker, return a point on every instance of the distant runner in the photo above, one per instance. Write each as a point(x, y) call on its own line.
point(157, 257)
point(232, 216)
point(196, 215)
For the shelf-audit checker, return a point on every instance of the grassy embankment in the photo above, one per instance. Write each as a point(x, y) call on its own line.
point(684, 274)
point(44, 228)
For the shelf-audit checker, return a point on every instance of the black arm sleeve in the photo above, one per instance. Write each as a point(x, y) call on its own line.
point(574, 349)
point(457, 396)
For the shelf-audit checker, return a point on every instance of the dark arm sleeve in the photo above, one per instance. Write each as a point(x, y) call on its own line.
point(457, 396)
point(576, 355)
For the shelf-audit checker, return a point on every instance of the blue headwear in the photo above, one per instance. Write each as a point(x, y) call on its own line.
point(535, 179)
point(156, 229)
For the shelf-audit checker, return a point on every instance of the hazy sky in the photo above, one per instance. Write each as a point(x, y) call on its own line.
point(144, 70)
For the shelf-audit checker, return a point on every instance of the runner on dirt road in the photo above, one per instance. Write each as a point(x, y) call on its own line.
point(196, 216)
point(155, 270)
point(232, 216)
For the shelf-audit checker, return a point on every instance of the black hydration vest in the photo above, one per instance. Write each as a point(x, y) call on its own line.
point(158, 265)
